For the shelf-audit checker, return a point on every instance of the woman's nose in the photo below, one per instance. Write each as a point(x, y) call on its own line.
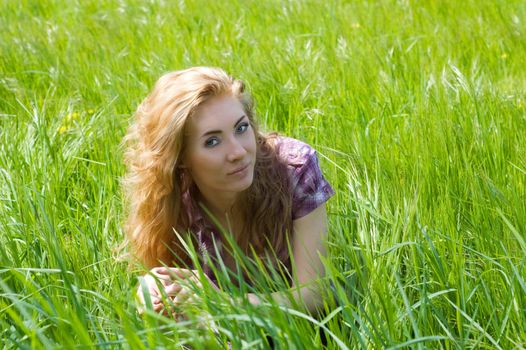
point(236, 151)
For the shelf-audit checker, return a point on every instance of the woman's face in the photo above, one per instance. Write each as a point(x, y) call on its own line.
point(220, 147)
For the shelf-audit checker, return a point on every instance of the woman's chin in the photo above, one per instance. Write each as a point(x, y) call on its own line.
point(244, 184)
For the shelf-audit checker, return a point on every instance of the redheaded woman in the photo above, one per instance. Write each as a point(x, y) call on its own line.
point(199, 170)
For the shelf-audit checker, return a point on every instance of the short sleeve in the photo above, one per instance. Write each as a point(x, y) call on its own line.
point(310, 189)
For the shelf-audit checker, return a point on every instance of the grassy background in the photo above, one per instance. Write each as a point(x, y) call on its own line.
point(417, 109)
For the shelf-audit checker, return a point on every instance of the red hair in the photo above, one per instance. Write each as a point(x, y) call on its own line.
point(155, 183)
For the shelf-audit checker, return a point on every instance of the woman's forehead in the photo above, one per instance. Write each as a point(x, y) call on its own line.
point(218, 113)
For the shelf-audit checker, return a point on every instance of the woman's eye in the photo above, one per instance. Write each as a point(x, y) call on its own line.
point(211, 142)
point(242, 128)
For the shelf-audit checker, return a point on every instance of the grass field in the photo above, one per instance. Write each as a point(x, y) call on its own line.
point(417, 110)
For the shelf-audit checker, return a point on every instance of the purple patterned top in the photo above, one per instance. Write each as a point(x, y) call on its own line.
point(310, 190)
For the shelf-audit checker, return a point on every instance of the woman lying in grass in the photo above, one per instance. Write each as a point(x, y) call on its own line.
point(200, 169)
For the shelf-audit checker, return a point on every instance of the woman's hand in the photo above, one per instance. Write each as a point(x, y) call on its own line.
point(175, 285)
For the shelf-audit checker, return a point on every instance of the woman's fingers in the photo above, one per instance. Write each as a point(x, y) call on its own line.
point(174, 272)
point(169, 289)
point(173, 278)
point(172, 289)
point(162, 275)
point(182, 297)
point(147, 289)
point(187, 294)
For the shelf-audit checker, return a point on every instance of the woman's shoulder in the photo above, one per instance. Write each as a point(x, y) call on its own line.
point(294, 152)
point(309, 187)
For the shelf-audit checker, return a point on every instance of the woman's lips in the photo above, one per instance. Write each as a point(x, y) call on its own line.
point(239, 170)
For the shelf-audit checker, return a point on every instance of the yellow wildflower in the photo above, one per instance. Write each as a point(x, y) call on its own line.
point(62, 129)
point(72, 116)
point(504, 56)
point(90, 111)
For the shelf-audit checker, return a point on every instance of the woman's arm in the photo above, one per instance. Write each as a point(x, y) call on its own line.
point(308, 244)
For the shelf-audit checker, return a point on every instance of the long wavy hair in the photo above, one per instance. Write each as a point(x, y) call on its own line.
point(155, 183)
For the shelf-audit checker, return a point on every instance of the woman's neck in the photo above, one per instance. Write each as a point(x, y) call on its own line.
point(222, 208)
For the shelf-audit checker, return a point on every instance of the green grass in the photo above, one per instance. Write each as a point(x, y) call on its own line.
point(417, 109)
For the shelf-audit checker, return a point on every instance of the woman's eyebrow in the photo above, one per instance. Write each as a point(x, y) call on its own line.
point(211, 132)
point(239, 120)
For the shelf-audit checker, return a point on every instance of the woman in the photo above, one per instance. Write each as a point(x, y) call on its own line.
point(200, 170)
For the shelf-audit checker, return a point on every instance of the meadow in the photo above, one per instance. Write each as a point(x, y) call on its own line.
point(417, 110)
